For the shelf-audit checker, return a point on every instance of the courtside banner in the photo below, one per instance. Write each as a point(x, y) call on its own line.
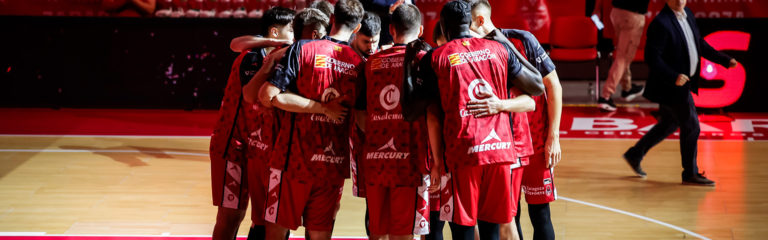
point(719, 8)
point(633, 123)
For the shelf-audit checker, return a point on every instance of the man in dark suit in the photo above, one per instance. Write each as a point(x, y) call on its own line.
point(672, 52)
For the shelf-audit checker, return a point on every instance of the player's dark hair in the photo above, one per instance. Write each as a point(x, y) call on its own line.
point(437, 33)
point(276, 16)
point(309, 18)
point(455, 18)
point(371, 24)
point(406, 19)
point(324, 6)
point(348, 13)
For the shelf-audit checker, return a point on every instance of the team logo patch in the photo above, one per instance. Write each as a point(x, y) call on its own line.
point(337, 48)
point(477, 86)
point(389, 97)
point(465, 43)
point(455, 59)
point(547, 181)
point(321, 61)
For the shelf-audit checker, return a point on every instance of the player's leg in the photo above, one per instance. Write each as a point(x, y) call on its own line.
point(257, 188)
point(542, 222)
point(435, 226)
point(517, 222)
point(227, 223)
point(461, 232)
point(488, 230)
point(539, 185)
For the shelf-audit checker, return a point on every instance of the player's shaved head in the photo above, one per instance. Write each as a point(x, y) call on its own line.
point(406, 19)
point(480, 8)
point(455, 18)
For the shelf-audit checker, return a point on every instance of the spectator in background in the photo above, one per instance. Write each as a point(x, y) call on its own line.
point(129, 8)
point(384, 9)
point(628, 17)
point(366, 41)
point(672, 51)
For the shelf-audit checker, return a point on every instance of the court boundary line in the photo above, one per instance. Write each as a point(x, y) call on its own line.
point(638, 216)
point(648, 219)
point(44, 234)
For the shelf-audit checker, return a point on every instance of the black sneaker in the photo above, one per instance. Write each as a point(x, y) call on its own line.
point(698, 180)
point(633, 92)
point(606, 104)
point(634, 163)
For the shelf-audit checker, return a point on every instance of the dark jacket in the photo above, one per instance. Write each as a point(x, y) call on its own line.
point(666, 54)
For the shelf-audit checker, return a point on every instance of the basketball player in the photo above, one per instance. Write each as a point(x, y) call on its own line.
point(241, 137)
point(536, 178)
point(395, 150)
point(313, 83)
point(478, 151)
point(366, 41)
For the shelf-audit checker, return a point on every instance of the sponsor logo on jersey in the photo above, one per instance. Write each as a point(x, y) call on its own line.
point(547, 181)
point(328, 155)
point(324, 61)
point(475, 56)
point(473, 90)
point(387, 62)
point(391, 154)
point(256, 140)
point(484, 146)
point(321, 61)
point(389, 97)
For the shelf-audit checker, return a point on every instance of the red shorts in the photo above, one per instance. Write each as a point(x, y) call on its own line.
point(398, 210)
point(257, 186)
point(517, 178)
point(538, 181)
point(434, 202)
point(292, 202)
point(229, 177)
point(477, 193)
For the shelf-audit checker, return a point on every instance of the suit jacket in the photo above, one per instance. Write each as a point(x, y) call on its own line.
point(666, 53)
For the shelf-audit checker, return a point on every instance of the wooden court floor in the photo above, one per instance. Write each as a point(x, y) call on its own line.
point(156, 186)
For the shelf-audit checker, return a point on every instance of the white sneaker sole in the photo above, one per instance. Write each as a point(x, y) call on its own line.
point(606, 107)
point(631, 97)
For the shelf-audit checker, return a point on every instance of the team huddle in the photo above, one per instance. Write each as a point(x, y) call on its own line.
point(451, 133)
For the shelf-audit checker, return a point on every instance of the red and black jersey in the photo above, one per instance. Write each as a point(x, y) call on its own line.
point(312, 146)
point(242, 125)
point(395, 151)
point(459, 70)
point(534, 52)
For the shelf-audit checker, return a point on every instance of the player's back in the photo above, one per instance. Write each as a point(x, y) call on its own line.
point(465, 67)
point(315, 146)
point(395, 150)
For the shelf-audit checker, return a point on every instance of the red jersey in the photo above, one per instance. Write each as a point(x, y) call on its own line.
point(395, 151)
point(313, 147)
point(243, 125)
point(459, 70)
point(532, 50)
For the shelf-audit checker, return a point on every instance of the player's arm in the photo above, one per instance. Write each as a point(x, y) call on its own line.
point(554, 111)
point(489, 104)
point(242, 43)
point(435, 116)
point(251, 90)
point(520, 72)
point(146, 6)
